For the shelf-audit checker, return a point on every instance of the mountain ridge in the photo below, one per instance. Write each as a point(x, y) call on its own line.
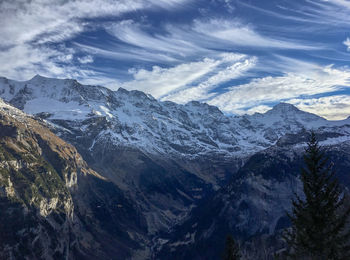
point(281, 106)
point(69, 100)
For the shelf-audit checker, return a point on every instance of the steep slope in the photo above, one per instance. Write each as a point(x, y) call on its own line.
point(53, 205)
point(253, 206)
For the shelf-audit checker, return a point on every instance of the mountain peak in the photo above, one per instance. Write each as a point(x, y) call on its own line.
point(288, 115)
point(122, 90)
point(202, 105)
point(37, 76)
point(39, 79)
point(135, 93)
point(284, 107)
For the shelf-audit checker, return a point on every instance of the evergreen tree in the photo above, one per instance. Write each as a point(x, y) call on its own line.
point(231, 249)
point(319, 220)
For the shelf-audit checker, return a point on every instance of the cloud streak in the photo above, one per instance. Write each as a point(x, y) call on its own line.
point(335, 107)
point(34, 33)
point(202, 91)
point(347, 44)
point(86, 59)
point(161, 82)
point(136, 35)
point(236, 33)
point(23, 21)
point(273, 89)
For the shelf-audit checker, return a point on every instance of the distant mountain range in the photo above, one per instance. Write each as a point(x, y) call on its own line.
point(188, 173)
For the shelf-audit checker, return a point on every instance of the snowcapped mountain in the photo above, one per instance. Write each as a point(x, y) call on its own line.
point(138, 120)
point(167, 157)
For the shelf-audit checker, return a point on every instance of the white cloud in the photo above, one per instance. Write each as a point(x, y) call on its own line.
point(86, 59)
point(347, 43)
point(310, 15)
point(236, 33)
point(330, 13)
point(135, 34)
point(28, 28)
point(200, 38)
point(124, 53)
point(342, 3)
point(23, 21)
point(332, 107)
point(160, 81)
point(24, 61)
point(257, 109)
point(288, 86)
point(202, 91)
point(252, 110)
point(99, 80)
point(165, 83)
point(168, 3)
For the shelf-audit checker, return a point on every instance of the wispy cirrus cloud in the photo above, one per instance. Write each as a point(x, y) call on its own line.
point(184, 42)
point(35, 27)
point(331, 13)
point(202, 91)
point(161, 82)
point(335, 107)
point(320, 80)
point(22, 60)
point(334, 13)
point(235, 33)
point(34, 33)
point(136, 35)
point(122, 53)
point(23, 21)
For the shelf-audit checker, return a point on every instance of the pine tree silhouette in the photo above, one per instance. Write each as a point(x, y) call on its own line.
point(232, 251)
point(319, 220)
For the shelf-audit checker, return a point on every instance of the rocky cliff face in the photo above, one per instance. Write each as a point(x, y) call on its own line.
point(53, 205)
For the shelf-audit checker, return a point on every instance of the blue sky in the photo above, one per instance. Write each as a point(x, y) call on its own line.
point(243, 56)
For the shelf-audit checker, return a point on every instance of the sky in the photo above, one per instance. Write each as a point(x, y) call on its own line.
point(243, 56)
